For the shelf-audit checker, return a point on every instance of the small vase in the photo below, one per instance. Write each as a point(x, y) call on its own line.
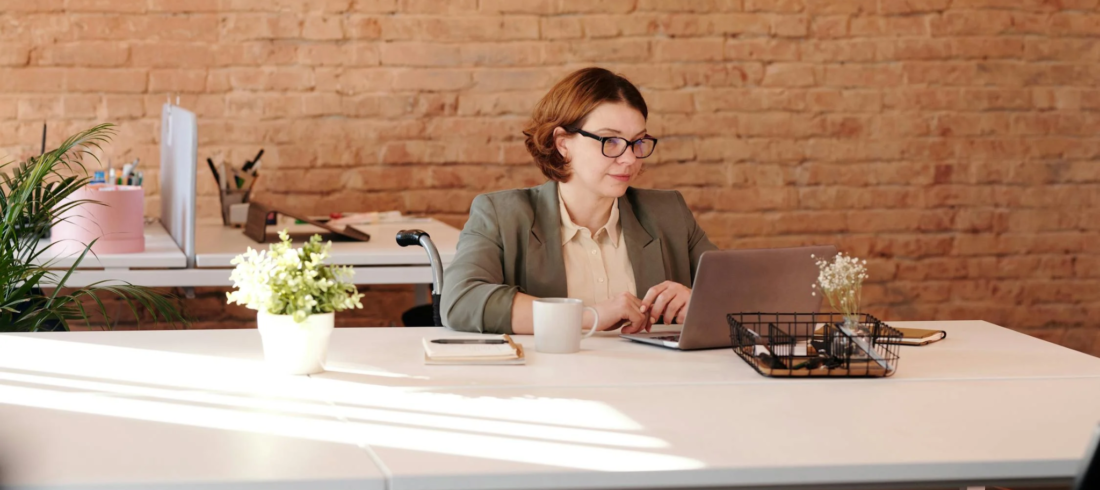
point(861, 334)
point(295, 348)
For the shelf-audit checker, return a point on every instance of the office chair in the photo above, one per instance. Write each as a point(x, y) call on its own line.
point(417, 316)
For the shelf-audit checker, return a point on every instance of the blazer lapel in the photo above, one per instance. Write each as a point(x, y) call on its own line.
point(545, 267)
point(643, 248)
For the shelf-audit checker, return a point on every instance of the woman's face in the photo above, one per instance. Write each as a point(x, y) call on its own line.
point(602, 175)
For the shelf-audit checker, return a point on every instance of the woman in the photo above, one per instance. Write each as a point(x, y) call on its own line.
point(584, 234)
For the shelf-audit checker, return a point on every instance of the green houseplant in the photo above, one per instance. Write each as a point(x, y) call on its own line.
point(32, 198)
point(296, 297)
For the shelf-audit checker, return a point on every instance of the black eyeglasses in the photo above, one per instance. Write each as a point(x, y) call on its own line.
point(614, 146)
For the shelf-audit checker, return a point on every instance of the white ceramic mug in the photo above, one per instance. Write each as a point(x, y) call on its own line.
point(558, 324)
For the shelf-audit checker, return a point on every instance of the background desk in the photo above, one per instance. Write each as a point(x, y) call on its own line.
point(146, 268)
point(163, 264)
point(616, 415)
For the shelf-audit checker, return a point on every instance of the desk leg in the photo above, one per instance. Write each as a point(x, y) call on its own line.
point(422, 294)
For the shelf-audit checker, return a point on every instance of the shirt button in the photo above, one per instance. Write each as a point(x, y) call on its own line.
point(600, 279)
point(594, 252)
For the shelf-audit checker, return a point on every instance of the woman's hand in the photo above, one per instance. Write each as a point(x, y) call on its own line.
point(669, 300)
point(624, 310)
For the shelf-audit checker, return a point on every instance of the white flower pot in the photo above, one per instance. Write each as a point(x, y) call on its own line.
point(295, 348)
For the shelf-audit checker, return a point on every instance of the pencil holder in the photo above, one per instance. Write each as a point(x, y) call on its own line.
point(228, 199)
point(116, 221)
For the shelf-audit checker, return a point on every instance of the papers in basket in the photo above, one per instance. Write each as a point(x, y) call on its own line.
point(505, 353)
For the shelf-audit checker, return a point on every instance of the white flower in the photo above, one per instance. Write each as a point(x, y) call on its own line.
point(289, 281)
point(841, 282)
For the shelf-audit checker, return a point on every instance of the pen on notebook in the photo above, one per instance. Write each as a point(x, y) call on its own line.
point(469, 341)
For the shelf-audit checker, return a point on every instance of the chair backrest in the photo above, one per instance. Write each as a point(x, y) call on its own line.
point(1089, 476)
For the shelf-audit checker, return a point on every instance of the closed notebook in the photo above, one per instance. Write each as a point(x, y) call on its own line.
point(920, 336)
point(508, 353)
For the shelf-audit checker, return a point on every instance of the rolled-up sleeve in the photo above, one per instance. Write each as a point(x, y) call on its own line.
point(475, 298)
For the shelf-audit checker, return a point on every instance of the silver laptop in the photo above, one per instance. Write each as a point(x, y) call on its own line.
point(775, 280)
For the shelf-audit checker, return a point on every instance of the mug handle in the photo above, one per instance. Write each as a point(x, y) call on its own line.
point(595, 321)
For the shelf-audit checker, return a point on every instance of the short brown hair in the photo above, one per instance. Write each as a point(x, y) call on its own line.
point(567, 105)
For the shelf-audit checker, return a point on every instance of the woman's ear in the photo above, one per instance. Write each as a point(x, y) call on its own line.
point(560, 138)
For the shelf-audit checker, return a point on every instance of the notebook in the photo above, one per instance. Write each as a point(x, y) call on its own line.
point(920, 336)
point(508, 353)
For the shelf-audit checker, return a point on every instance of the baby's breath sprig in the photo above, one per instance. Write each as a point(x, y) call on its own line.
point(841, 281)
point(289, 281)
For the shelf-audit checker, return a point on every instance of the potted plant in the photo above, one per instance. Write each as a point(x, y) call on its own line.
point(295, 297)
point(34, 197)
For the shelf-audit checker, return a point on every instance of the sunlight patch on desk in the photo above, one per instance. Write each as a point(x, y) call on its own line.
point(548, 411)
point(331, 429)
point(345, 368)
point(252, 377)
point(522, 450)
point(150, 367)
point(411, 419)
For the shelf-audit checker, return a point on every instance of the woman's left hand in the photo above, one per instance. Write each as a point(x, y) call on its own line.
point(668, 299)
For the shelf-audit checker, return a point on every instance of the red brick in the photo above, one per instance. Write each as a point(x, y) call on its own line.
point(183, 6)
point(696, 6)
point(559, 27)
point(171, 55)
point(584, 6)
point(112, 6)
point(323, 28)
point(785, 6)
point(516, 6)
point(893, 7)
point(790, 75)
point(496, 80)
point(791, 26)
point(1075, 24)
point(845, 50)
point(761, 49)
point(177, 80)
point(687, 50)
point(853, 75)
point(830, 26)
point(889, 26)
point(840, 6)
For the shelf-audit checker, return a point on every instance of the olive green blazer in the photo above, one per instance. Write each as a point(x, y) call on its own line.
point(512, 243)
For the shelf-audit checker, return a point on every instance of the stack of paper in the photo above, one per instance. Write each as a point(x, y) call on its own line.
point(473, 354)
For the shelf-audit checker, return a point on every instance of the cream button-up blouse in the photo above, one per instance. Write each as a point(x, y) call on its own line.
point(597, 265)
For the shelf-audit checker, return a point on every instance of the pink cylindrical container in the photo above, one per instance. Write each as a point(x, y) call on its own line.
point(117, 221)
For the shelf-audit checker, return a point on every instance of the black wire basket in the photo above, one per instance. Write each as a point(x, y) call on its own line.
point(798, 345)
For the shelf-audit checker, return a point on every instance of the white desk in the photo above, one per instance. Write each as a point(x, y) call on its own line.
point(973, 350)
point(105, 411)
point(984, 406)
point(377, 261)
point(161, 253)
point(163, 264)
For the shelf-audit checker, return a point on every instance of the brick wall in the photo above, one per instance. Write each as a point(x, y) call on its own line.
point(952, 143)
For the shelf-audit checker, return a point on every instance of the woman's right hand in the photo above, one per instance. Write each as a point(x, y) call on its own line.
point(624, 310)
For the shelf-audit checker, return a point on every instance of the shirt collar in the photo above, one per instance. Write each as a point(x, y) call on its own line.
point(569, 229)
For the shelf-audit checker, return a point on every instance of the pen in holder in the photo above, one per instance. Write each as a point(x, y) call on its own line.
point(231, 199)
